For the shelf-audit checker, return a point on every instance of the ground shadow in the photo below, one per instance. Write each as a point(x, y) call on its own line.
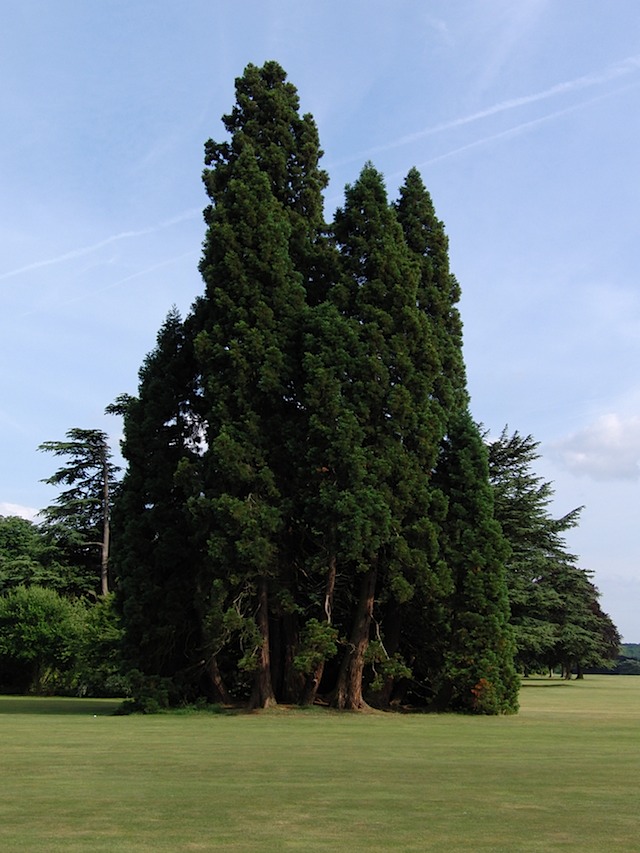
point(58, 706)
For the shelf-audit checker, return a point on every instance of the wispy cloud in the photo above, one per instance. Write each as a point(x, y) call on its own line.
point(88, 294)
point(608, 449)
point(630, 65)
point(510, 23)
point(9, 509)
point(94, 247)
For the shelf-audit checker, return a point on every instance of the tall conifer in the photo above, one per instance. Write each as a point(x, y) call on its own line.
point(389, 388)
point(154, 553)
point(478, 674)
point(262, 261)
point(294, 513)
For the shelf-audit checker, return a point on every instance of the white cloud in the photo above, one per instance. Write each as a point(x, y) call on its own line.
point(515, 22)
point(27, 512)
point(608, 449)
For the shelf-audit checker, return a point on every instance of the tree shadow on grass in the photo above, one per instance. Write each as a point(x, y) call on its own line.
point(58, 706)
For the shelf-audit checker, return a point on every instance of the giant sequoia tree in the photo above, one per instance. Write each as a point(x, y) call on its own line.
point(478, 673)
point(297, 417)
point(155, 553)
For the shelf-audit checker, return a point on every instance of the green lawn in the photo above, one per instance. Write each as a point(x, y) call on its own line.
point(564, 774)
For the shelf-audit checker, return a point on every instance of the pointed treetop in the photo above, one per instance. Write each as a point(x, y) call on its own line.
point(285, 144)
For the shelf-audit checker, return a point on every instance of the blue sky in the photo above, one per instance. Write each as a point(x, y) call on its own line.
point(523, 117)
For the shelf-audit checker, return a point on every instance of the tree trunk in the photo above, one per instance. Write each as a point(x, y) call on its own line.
point(392, 625)
point(314, 678)
point(348, 692)
point(262, 695)
point(293, 680)
point(104, 561)
point(219, 688)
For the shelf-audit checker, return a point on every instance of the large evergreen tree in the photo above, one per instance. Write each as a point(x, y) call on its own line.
point(263, 256)
point(292, 512)
point(247, 353)
point(479, 674)
point(388, 387)
point(154, 543)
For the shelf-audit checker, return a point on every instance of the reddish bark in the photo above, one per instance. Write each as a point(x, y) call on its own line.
point(315, 677)
point(219, 688)
point(262, 695)
point(348, 692)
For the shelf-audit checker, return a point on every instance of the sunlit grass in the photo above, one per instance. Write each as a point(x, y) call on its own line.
point(561, 775)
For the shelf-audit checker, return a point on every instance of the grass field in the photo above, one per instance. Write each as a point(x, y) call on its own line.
point(563, 774)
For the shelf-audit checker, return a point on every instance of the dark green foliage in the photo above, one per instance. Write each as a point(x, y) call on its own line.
point(307, 509)
point(479, 674)
point(79, 519)
point(33, 554)
point(554, 605)
point(438, 293)
point(154, 550)
point(286, 150)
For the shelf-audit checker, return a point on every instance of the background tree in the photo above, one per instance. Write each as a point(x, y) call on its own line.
point(80, 516)
point(32, 554)
point(555, 613)
point(39, 634)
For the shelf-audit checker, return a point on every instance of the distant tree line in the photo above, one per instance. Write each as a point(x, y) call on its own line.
point(309, 511)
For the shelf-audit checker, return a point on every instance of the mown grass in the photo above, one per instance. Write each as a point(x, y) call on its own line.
point(561, 775)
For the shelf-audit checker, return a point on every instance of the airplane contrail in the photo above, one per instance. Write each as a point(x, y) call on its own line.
point(81, 297)
point(521, 128)
point(86, 250)
point(619, 69)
